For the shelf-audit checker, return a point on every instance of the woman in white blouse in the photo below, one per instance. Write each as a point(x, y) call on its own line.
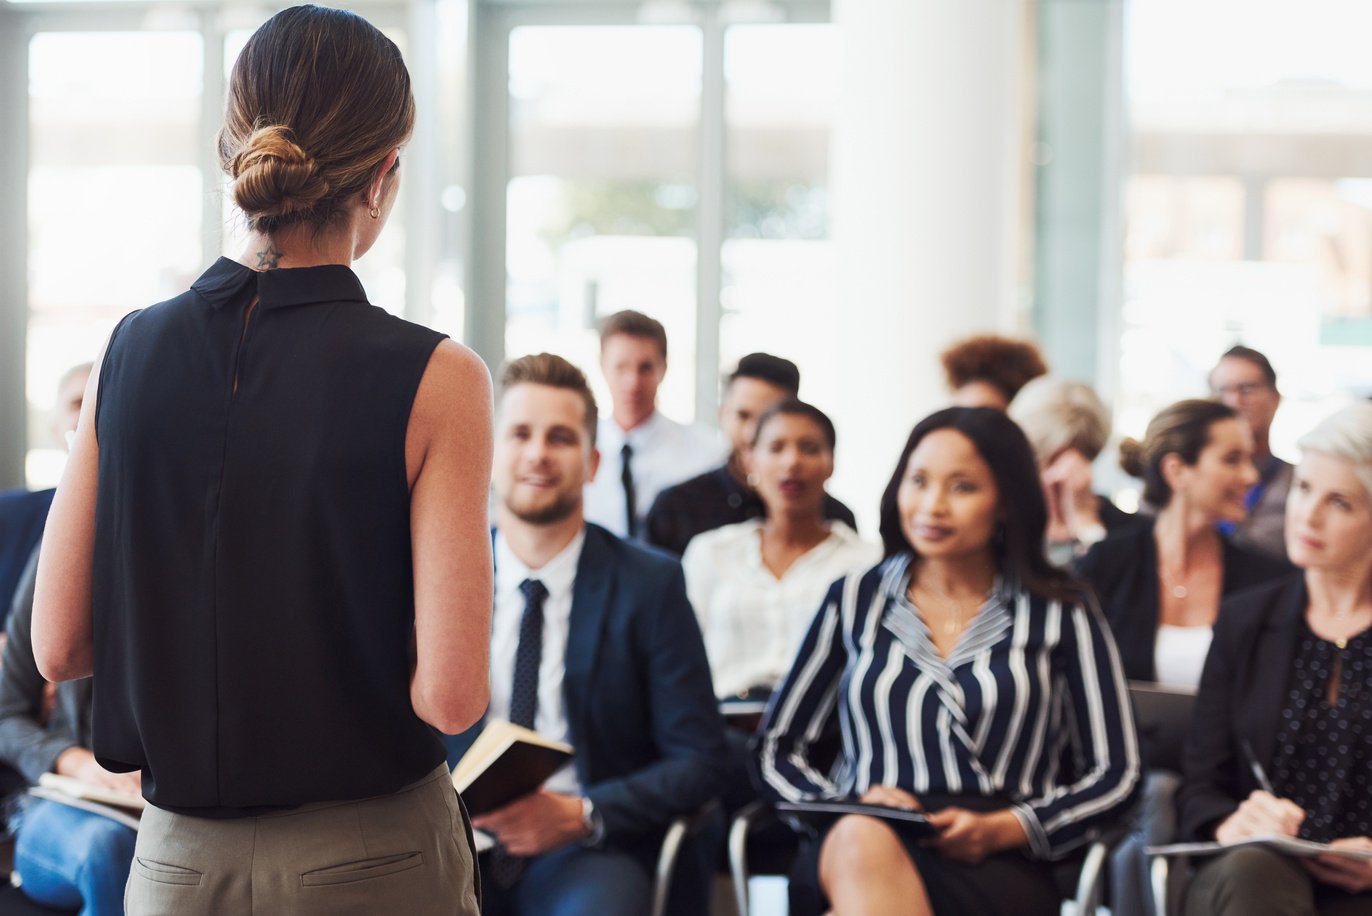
point(755, 585)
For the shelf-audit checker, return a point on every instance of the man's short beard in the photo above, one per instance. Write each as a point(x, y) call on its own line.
point(552, 513)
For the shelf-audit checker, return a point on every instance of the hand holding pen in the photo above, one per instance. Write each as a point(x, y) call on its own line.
point(1262, 812)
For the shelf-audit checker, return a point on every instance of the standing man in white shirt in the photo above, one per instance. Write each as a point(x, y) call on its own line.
point(644, 452)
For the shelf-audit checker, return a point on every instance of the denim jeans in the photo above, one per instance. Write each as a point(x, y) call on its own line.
point(69, 858)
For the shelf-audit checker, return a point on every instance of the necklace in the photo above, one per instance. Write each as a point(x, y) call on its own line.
point(1176, 587)
point(953, 624)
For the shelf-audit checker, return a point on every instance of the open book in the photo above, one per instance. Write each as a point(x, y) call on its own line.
point(504, 763)
point(1287, 844)
point(822, 811)
point(116, 806)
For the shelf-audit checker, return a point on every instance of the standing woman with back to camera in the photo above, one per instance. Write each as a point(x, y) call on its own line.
point(270, 543)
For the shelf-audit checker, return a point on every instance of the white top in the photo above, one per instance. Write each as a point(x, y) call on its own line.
point(665, 453)
point(1179, 655)
point(752, 621)
point(558, 576)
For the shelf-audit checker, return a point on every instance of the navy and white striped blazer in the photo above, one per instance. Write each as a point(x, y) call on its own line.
point(1031, 706)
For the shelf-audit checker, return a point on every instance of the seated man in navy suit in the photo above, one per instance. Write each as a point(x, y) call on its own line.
point(594, 643)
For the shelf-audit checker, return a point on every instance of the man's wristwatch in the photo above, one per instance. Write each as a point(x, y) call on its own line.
point(592, 821)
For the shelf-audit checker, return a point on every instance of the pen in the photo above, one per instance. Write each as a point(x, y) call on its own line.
point(1263, 782)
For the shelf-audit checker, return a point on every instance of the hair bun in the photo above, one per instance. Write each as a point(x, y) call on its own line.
point(273, 176)
point(1132, 457)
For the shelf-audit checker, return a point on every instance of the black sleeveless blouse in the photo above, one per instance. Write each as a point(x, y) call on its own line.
point(253, 590)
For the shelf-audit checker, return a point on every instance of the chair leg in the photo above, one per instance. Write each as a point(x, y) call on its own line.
point(1088, 881)
point(738, 861)
point(666, 865)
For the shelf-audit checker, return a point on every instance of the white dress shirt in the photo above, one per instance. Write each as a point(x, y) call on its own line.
point(558, 576)
point(752, 621)
point(665, 453)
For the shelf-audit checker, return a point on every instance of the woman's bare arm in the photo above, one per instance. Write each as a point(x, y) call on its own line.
point(448, 456)
point(63, 644)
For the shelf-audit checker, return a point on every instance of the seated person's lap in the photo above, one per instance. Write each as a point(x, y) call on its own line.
point(574, 881)
point(1007, 884)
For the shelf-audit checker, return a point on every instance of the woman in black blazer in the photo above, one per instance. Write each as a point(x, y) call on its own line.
point(1160, 583)
point(1166, 577)
point(1281, 742)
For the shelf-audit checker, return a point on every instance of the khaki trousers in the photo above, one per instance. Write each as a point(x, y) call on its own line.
point(408, 853)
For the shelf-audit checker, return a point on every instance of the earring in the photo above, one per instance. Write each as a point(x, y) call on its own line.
point(752, 481)
point(374, 212)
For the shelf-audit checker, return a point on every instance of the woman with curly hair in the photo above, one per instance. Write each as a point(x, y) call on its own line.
point(988, 370)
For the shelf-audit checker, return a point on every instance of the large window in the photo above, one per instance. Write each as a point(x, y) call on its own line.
point(125, 200)
point(1248, 210)
point(669, 158)
point(115, 196)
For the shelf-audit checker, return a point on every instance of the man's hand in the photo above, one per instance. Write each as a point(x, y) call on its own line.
point(966, 836)
point(1260, 814)
point(1352, 875)
point(79, 763)
point(537, 823)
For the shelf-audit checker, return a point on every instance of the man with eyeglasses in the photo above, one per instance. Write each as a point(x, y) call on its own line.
point(1245, 380)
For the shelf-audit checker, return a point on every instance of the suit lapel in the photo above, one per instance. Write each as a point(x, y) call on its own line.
point(591, 595)
point(1272, 668)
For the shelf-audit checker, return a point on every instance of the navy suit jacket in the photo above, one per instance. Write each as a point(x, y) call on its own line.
point(640, 703)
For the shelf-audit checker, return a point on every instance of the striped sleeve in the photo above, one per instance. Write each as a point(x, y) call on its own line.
point(1103, 739)
point(803, 708)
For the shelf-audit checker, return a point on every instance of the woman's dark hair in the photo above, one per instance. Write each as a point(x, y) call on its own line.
point(317, 100)
point(792, 407)
point(1182, 429)
point(1019, 543)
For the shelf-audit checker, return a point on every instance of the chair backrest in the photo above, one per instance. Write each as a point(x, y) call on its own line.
point(1163, 715)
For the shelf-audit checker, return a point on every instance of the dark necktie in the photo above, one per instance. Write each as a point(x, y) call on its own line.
point(528, 655)
point(626, 477)
point(506, 869)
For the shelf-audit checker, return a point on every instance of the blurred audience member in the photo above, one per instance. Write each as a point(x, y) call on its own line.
point(724, 496)
point(1068, 426)
point(755, 585)
point(23, 512)
point(1160, 583)
point(64, 856)
point(988, 370)
point(644, 451)
point(1245, 380)
point(1280, 743)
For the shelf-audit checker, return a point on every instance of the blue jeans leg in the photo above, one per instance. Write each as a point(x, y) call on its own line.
point(576, 881)
point(67, 857)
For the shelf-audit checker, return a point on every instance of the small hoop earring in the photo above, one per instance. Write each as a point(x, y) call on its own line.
point(374, 213)
point(752, 481)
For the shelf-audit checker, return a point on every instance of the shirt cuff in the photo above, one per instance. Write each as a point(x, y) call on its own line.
point(1038, 839)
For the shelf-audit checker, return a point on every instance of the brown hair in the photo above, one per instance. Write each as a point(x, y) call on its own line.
point(555, 372)
point(1000, 361)
point(317, 100)
point(1181, 429)
point(634, 324)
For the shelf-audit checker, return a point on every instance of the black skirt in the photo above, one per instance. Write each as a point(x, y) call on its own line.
point(1006, 884)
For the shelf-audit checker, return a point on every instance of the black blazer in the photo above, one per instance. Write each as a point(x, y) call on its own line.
point(1123, 571)
point(1241, 698)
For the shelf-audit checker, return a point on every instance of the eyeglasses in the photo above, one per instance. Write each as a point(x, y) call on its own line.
point(1243, 390)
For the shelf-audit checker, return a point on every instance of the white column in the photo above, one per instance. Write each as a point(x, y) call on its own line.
point(927, 217)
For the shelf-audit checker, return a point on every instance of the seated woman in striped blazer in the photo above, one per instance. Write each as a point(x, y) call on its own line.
point(969, 678)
